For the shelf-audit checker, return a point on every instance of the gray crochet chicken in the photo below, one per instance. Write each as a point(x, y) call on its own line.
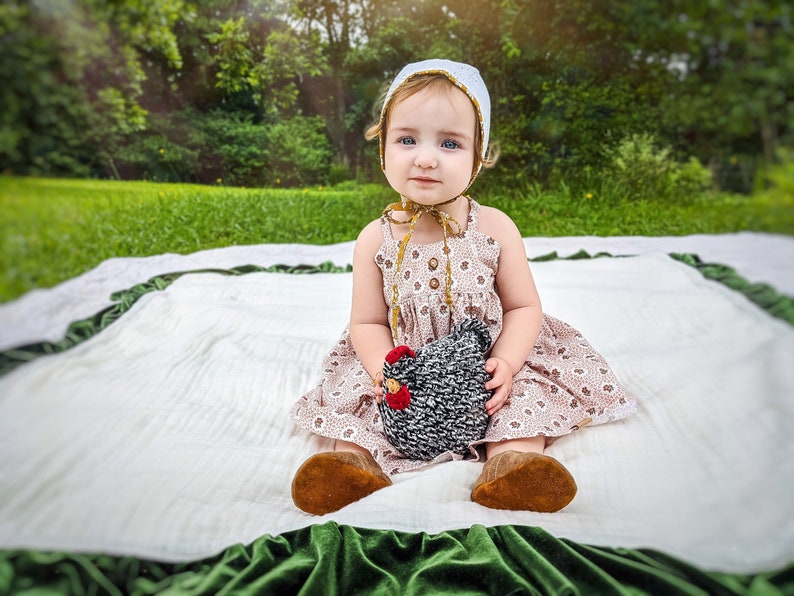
point(434, 398)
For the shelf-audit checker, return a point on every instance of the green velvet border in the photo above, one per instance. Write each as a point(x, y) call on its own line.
point(333, 559)
point(776, 304)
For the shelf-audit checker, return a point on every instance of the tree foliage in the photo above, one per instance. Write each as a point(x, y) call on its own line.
point(280, 91)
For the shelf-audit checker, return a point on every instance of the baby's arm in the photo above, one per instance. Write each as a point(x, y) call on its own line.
point(522, 312)
point(369, 314)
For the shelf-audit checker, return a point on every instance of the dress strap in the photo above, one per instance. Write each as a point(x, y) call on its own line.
point(474, 215)
point(385, 228)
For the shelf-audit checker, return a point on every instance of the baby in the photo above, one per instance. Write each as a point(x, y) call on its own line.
point(434, 259)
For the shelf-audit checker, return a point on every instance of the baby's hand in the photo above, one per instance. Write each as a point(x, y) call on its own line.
point(378, 382)
point(501, 382)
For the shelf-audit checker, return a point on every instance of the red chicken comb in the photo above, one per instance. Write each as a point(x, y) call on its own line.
point(398, 353)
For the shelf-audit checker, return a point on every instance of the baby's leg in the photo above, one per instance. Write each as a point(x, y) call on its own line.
point(348, 446)
point(517, 476)
point(530, 445)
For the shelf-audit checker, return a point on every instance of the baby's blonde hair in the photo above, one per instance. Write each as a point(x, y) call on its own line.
point(434, 82)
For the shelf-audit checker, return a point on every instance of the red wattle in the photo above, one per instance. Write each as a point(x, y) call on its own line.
point(399, 400)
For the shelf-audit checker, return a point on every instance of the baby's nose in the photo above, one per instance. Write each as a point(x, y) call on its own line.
point(425, 158)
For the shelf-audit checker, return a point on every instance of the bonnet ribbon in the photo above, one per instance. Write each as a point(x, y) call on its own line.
point(449, 226)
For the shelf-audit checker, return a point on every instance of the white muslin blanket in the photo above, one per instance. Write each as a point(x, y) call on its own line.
point(166, 436)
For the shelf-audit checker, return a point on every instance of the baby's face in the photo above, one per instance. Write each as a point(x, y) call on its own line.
point(429, 148)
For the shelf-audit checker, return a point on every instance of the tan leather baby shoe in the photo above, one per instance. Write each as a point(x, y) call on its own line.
point(524, 482)
point(326, 482)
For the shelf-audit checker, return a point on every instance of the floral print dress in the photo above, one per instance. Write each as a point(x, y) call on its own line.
point(564, 384)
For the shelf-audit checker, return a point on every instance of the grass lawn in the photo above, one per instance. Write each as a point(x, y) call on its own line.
point(54, 229)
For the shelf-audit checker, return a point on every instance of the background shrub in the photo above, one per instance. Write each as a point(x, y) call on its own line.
point(301, 153)
point(155, 157)
point(230, 148)
point(641, 170)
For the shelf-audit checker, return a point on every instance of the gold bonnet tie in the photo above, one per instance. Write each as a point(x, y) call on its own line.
point(449, 226)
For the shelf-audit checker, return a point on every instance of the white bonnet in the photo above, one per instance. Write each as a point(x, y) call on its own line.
point(464, 76)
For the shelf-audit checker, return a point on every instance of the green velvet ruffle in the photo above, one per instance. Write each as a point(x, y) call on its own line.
point(334, 559)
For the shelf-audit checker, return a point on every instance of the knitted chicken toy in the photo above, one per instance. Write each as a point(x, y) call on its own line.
point(434, 398)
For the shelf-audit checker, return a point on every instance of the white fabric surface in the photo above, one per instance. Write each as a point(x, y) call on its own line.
point(166, 436)
point(43, 315)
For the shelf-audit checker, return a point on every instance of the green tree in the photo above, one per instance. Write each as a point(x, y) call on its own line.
point(82, 93)
point(131, 87)
point(365, 43)
point(267, 57)
point(38, 131)
point(571, 85)
point(735, 97)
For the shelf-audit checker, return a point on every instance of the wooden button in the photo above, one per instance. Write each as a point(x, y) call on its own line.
point(434, 283)
point(433, 264)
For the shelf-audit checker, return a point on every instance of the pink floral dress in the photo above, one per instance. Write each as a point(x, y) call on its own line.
point(563, 385)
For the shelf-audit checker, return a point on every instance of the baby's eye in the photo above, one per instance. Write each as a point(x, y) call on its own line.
point(406, 141)
point(450, 145)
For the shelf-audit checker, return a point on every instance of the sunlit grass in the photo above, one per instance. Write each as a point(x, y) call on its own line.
point(54, 229)
point(558, 213)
